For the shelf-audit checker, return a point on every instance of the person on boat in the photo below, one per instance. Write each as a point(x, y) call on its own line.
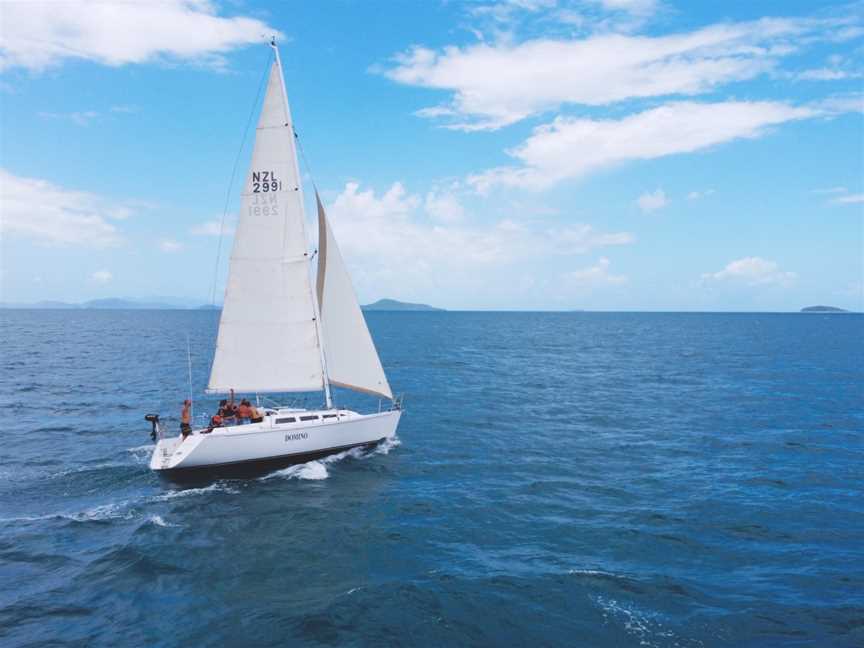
point(215, 421)
point(244, 412)
point(255, 415)
point(228, 410)
point(186, 419)
point(222, 405)
point(230, 416)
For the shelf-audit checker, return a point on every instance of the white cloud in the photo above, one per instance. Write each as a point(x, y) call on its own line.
point(170, 246)
point(494, 85)
point(444, 207)
point(823, 74)
point(215, 227)
point(506, 10)
point(595, 275)
point(841, 103)
point(53, 215)
point(841, 196)
point(649, 202)
point(698, 195)
point(753, 271)
point(638, 7)
point(571, 148)
point(850, 199)
point(392, 242)
point(124, 108)
point(39, 34)
point(82, 118)
point(101, 276)
point(830, 190)
point(837, 68)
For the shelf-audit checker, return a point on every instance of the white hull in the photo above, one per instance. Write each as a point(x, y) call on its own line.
point(282, 436)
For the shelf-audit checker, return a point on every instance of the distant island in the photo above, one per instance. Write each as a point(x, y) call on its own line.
point(112, 303)
point(823, 309)
point(394, 305)
point(178, 303)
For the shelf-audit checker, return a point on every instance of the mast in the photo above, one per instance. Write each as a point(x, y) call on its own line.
point(317, 309)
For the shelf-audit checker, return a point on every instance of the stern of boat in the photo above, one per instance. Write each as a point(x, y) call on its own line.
point(169, 453)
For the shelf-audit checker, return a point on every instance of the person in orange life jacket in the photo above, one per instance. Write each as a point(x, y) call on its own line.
point(215, 421)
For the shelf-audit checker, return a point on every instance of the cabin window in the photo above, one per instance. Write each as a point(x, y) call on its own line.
point(308, 418)
point(290, 419)
point(329, 416)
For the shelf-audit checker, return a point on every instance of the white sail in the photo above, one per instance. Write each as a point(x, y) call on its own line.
point(268, 339)
point(352, 360)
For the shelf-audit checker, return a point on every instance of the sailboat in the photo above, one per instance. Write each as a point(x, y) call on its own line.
point(276, 333)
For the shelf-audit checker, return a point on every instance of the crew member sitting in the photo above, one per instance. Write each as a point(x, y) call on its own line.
point(215, 421)
point(255, 414)
point(244, 412)
point(228, 411)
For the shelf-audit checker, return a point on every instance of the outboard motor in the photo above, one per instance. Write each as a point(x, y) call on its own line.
point(154, 421)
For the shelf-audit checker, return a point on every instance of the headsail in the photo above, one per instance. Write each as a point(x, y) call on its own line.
point(352, 360)
point(268, 338)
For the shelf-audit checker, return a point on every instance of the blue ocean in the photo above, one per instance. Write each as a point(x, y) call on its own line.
point(559, 479)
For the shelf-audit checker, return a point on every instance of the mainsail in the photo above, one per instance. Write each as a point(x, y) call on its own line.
point(268, 334)
point(272, 337)
point(352, 360)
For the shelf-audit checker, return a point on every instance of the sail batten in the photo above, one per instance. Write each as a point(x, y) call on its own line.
point(352, 360)
point(268, 339)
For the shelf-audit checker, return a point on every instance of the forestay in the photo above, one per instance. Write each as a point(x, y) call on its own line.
point(268, 339)
point(352, 360)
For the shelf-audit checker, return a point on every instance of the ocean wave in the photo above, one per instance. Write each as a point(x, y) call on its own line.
point(159, 521)
point(594, 572)
point(384, 448)
point(104, 512)
point(310, 470)
point(121, 510)
point(218, 487)
point(317, 469)
point(80, 470)
point(142, 453)
point(114, 510)
point(642, 625)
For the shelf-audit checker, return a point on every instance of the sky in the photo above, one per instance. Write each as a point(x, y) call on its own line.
point(529, 155)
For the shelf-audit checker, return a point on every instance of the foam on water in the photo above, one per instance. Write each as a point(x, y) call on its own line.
point(159, 521)
point(217, 487)
point(142, 453)
point(112, 510)
point(310, 470)
point(317, 469)
point(643, 626)
point(108, 511)
point(388, 444)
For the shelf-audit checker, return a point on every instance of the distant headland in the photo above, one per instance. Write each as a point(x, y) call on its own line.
point(823, 309)
point(178, 303)
point(394, 305)
point(111, 303)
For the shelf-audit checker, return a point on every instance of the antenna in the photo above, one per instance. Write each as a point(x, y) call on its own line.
point(189, 364)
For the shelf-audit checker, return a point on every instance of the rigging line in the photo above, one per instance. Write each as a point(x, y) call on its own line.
point(305, 159)
point(189, 362)
point(233, 176)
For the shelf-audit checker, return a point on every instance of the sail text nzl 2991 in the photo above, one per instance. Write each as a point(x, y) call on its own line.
point(264, 181)
point(264, 205)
